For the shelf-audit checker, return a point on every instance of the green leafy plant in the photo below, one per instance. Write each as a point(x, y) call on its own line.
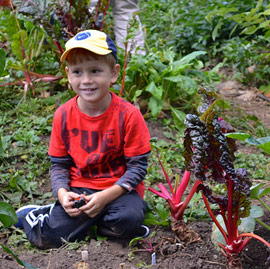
point(7, 214)
point(210, 155)
point(140, 244)
point(26, 41)
point(2, 61)
point(60, 19)
point(250, 21)
point(257, 192)
point(161, 82)
point(8, 217)
point(183, 23)
point(262, 143)
point(157, 213)
point(247, 47)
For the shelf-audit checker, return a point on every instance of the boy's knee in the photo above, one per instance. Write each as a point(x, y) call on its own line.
point(45, 242)
point(126, 223)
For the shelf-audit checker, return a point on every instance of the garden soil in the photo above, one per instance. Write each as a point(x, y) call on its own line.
point(170, 252)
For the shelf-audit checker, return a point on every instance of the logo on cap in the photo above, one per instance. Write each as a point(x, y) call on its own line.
point(82, 36)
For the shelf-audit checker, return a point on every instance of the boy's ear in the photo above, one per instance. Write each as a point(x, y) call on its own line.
point(115, 73)
point(67, 71)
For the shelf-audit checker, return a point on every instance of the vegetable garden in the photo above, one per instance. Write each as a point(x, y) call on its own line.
point(208, 180)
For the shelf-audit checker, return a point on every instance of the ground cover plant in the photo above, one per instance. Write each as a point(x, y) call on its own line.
point(185, 48)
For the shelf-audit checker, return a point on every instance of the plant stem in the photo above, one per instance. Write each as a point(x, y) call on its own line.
point(166, 176)
point(180, 213)
point(214, 218)
point(235, 229)
point(124, 69)
point(182, 187)
point(230, 211)
point(263, 224)
point(263, 204)
point(256, 237)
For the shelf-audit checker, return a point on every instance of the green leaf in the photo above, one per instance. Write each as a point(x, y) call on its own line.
point(250, 30)
point(155, 106)
point(179, 118)
point(255, 191)
point(262, 143)
point(239, 136)
point(264, 88)
point(258, 191)
point(216, 234)
point(247, 225)
point(223, 104)
point(154, 90)
point(1, 147)
point(151, 219)
point(2, 61)
point(264, 24)
point(186, 83)
point(217, 27)
point(7, 214)
point(162, 211)
point(188, 58)
point(25, 264)
point(256, 211)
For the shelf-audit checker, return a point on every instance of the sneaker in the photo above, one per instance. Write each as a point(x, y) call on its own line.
point(22, 213)
point(143, 231)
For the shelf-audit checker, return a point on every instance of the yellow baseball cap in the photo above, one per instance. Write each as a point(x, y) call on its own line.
point(92, 40)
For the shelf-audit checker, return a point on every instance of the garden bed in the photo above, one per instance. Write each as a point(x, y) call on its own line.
point(169, 252)
point(113, 253)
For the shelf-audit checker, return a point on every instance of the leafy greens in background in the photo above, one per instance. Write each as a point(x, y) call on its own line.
point(262, 143)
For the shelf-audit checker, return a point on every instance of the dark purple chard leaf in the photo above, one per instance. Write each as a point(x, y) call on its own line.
point(196, 142)
point(243, 195)
point(207, 191)
point(209, 154)
point(209, 98)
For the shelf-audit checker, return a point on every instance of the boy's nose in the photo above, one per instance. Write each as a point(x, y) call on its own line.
point(87, 78)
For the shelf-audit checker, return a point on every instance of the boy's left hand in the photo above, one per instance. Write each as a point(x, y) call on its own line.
point(98, 200)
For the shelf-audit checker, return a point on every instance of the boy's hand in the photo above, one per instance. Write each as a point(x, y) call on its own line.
point(66, 199)
point(98, 200)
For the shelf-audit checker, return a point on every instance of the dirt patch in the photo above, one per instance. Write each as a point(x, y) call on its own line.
point(112, 253)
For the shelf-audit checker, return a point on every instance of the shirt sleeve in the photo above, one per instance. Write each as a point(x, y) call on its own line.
point(57, 146)
point(135, 173)
point(137, 136)
point(59, 173)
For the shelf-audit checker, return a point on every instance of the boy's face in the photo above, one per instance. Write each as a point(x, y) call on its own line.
point(91, 78)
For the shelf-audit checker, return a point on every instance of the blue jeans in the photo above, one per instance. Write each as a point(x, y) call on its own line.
point(46, 226)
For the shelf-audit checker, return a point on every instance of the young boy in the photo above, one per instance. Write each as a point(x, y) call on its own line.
point(98, 149)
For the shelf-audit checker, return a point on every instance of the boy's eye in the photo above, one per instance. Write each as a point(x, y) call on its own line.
point(76, 72)
point(95, 71)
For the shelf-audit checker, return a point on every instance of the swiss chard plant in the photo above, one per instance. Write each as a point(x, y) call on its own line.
point(258, 192)
point(27, 43)
point(209, 154)
point(174, 196)
point(178, 198)
point(8, 217)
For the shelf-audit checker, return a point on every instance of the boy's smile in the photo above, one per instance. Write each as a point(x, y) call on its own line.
point(91, 79)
